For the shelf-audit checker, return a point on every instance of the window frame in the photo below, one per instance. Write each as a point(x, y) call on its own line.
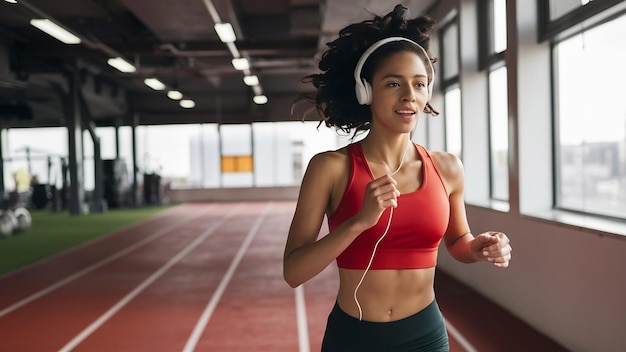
point(486, 55)
point(488, 61)
point(548, 29)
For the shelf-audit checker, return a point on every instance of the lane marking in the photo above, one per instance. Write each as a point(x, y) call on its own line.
point(192, 342)
point(303, 327)
point(97, 265)
point(89, 242)
point(121, 303)
point(460, 338)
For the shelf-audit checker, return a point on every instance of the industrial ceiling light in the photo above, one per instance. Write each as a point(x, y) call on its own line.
point(55, 31)
point(225, 32)
point(174, 95)
point(260, 99)
point(121, 65)
point(241, 64)
point(251, 80)
point(187, 103)
point(154, 83)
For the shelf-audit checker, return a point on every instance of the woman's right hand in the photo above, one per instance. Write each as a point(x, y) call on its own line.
point(380, 194)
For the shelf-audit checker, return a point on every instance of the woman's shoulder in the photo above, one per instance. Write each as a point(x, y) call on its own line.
point(330, 157)
point(447, 161)
point(450, 168)
point(327, 168)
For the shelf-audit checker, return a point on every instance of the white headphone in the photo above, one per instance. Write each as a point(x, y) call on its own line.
point(363, 89)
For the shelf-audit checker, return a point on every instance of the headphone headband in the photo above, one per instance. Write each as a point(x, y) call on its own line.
point(363, 89)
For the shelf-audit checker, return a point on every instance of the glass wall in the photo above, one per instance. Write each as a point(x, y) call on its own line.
point(185, 156)
point(33, 155)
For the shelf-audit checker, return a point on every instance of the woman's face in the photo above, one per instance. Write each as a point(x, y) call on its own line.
point(399, 91)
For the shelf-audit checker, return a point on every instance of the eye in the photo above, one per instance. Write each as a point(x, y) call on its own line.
point(420, 84)
point(393, 84)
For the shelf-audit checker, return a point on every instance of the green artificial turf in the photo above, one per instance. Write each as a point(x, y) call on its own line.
point(51, 233)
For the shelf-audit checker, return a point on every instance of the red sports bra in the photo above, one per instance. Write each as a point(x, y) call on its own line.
point(418, 224)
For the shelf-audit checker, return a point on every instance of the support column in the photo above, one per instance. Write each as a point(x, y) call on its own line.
point(1, 167)
point(117, 139)
point(135, 189)
point(97, 202)
point(75, 145)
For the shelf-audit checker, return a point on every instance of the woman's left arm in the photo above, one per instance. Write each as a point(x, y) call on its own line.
point(490, 246)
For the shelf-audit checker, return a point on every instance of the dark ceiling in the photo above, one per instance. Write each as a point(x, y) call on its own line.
point(174, 41)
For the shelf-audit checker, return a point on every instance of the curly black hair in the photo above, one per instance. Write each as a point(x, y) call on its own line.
point(335, 99)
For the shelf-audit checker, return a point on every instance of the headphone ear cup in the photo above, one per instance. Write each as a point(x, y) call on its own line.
point(360, 89)
point(367, 99)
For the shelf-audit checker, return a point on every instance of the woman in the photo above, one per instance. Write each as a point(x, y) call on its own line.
point(389, 202)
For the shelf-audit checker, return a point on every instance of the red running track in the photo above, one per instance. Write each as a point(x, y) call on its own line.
point(199, 277)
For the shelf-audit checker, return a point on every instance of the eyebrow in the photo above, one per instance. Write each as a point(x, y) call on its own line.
point(395, 75)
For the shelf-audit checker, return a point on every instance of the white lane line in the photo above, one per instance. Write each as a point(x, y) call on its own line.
point(121, 303)
point(208, 311)
point(303, 327)
point(89, 243)
point(97, 265)
point(460, 338)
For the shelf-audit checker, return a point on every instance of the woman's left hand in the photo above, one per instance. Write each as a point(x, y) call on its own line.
point(493, 247)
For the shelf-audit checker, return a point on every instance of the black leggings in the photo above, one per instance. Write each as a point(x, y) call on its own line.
point(424, 331)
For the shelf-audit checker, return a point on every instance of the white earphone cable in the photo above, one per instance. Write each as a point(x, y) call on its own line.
point(370, 264)
point(379, 240)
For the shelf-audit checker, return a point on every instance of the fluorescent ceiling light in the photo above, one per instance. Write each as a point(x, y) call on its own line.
point(55, 30)
point(154, 83)
point(241, 64)
point(11, 1)
point(187, 103)
point(260, 99)
point(121, 65)
point(251, 80)
point(225, 32)
point(174, 95)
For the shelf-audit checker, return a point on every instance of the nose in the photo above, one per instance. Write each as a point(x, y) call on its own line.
point(409, 93)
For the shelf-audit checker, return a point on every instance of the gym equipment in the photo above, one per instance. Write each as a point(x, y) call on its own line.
point(23, 219)
point(41, 195)
point(6, 225)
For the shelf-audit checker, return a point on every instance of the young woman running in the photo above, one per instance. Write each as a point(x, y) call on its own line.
point(389, 202)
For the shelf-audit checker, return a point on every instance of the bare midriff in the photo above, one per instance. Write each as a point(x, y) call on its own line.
point(386, 295)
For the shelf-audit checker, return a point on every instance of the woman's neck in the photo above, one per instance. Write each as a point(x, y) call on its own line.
point(386, 151)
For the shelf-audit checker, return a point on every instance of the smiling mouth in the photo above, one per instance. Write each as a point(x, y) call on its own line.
point(406, 114)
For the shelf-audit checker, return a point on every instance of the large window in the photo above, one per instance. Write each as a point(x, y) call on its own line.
point(450, 87)
point(452, 110)
point(498, 133)
point(591, 120)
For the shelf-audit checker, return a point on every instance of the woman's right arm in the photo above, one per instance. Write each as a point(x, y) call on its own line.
point(305, 256)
